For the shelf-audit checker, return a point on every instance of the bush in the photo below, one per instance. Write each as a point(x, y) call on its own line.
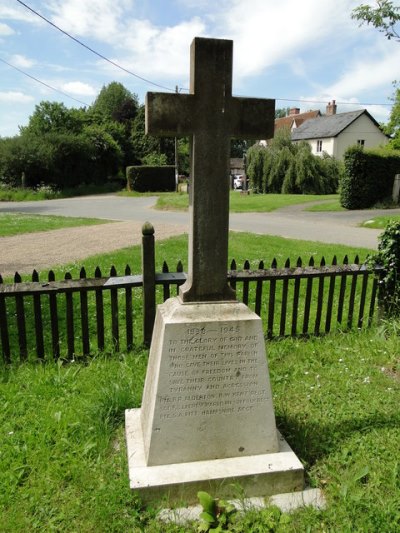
point(368, 177)
point(291, 168)
point(388, 256)
point(150, 178)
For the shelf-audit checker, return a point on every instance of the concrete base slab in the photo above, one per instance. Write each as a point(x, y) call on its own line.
point(257, 475)
point(286, 502)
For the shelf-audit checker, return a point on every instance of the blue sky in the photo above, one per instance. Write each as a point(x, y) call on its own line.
point(302, 53)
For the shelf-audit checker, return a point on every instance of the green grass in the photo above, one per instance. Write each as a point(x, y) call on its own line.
point(245, 203)
point(380, 222)
point(63, 456)
point(48, 192)
point(242, 247)
point(19, 223)
point(328, 206)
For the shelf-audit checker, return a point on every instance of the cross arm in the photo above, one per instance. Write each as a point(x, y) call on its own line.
point(169, 114)
point(252, 118)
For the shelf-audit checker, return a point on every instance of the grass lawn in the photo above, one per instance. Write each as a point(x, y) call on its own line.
point(242, 247)
point(242, 203)
point(380, 222)
point(328, 206)
point(62, 447)
point(18, 223)
point(63, 456)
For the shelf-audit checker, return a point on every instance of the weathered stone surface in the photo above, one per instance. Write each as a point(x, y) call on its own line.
point(207, 393)
point(211, 115)
point(258, 475)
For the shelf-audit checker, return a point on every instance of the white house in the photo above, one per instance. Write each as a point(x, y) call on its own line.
point(334, 133)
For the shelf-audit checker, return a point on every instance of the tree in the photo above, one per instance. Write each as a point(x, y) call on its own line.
point(54, 117)
point(393, 126)
point(383, 17)
point(115, 102)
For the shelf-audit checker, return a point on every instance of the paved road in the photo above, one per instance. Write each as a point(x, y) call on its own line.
point(293, 222)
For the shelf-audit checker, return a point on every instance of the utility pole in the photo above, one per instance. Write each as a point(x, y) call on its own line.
point(176, 155)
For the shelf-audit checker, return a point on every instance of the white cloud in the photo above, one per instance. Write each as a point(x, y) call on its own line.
point(267, 32)
point(21, 61)
point(101, 19)
point(377, 67)
point(15, 97)
point(5, 29)
point(18, 12)
point(79, 88)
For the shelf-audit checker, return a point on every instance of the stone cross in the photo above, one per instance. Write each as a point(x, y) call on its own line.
point(211, 116)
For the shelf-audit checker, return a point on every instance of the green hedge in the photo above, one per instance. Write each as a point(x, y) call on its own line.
point(368, 177)
point(150, 179)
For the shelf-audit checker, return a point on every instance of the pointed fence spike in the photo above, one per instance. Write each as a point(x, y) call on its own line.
point(82, 273)
point(287, 263)
point(179, 266)
point(323, 262)
point(165, 268)
point(334, 260)
point(128, 270)
point(246, 265)
point(311, 261)
point(261, 265)
point(68, 275)
point(97, 272)
point(51, 276)
point(274, 263)
point(233, 264)
point(345, 260)
point(35, 276)
point(113, 272)
point(17, 278)
point(357, 260)
point(299, 262)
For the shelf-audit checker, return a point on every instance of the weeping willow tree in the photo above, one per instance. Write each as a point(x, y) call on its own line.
point(286, 167)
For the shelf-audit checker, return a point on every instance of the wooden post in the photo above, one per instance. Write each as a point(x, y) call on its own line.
point(149, 281)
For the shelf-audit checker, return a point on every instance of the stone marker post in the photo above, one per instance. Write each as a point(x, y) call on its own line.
point(211, 116)
point(207, 413)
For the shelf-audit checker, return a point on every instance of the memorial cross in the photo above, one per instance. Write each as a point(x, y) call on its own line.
point(211, 116)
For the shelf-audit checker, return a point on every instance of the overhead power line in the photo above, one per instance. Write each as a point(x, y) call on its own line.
point(43, 83)
point(94, 51)
point(324, 102)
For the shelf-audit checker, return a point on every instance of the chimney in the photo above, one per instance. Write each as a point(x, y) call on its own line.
point(331, 108)
point(294, 111)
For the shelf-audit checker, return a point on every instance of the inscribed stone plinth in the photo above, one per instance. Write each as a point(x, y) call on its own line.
point(207, 417)
point(207, 374)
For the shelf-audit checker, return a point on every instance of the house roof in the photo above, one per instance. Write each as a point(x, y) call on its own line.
point(299, 118)
point(328, 125)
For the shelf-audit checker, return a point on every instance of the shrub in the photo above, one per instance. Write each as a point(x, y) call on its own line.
point(368, 177)
point(389, 257)
point(286, 167)
point(150, 179)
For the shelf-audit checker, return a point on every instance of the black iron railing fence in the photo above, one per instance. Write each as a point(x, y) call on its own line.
point(74, 317)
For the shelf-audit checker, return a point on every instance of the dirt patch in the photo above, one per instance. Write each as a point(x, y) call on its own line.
point(47, 249)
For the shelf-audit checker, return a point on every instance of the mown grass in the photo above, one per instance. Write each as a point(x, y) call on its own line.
point(328, 206)
point(380, 222)
point(244, 203)
point(49, 192)
point(19, 223)
point(242, 246)
point(63, 455)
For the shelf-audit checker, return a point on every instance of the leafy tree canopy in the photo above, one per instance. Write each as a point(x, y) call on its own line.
point(54, 117)
point(116, 102)
point(384, 17)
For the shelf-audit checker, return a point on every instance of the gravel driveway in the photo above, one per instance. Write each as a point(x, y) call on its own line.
point(47, 249)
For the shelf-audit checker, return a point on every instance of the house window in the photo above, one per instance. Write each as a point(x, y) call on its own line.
point(361, 143)
point(319, 146)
